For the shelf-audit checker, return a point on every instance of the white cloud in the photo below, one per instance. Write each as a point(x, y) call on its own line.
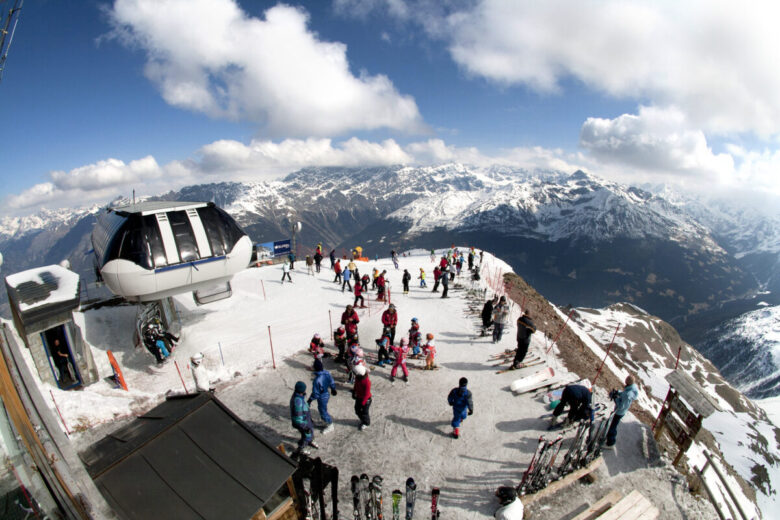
point(713, 59)
point(655, 141)
point(210, 56)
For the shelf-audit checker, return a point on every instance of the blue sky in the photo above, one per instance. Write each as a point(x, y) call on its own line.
point(99, 98)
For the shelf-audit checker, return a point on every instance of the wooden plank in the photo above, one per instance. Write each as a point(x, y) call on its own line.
point(633, 506)
point(617, 511)
point(690, 390)
point(562, 483)
point(600, 506)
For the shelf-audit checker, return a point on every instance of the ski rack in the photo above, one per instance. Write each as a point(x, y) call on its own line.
point(584, 449)
point(319, 475)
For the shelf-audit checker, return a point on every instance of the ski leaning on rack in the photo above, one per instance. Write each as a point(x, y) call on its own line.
point(355, 484)
point(365, 498)
point(411, 493)
point(308, 513)
point(435, 503)
point(375, 487)
point(397, 504)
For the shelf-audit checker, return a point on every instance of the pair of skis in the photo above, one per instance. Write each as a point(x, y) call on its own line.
point(411, 495)
point(525, 364)
point(537, 476)
point(367, 497)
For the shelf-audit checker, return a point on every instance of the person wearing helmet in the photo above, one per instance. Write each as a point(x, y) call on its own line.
point(340, 339)
point(401, 351)
point(350, 320)
point(445, 283)
point(200, 374)
point(511, 507)
point(429, 350)
point(317, 347)
point(300, 415)
point(390, 320)
point(359, 294)
point(355, 357)
point(384, 343)
point(381, 286)
point(361, 392)
point(462, 405)
point(405, 279)
point(415, 343)
point(321, 388)
point(422, 278)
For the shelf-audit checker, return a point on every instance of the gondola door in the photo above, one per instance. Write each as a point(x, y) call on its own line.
point(65, 370)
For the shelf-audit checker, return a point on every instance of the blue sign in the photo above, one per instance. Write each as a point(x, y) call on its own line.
point(281, 247)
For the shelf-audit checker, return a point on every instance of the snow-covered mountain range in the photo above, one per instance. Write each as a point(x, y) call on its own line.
point(577, 238)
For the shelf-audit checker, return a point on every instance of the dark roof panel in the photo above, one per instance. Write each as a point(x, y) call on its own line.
point(189, 457)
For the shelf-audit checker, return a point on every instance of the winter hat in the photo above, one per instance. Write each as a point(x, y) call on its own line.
point(300, 387)
point(506, 494)
point(359, 370)
point(318, 365)
point(463, 382)
point(404, 342)
point(429, 335)
point(316, 336)
point(196, 359)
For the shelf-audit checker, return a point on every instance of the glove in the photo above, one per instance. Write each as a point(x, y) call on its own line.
point(308, 401)
point(614, 394)
point(334, 392)
point(471, 412)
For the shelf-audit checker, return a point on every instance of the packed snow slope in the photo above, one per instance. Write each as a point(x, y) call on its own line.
point(409, 434)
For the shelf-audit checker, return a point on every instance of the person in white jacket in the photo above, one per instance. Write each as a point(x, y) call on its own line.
point(199, 373)
point(511, 506)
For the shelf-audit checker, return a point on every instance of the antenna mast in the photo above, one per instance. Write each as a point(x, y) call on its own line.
point(6, 37)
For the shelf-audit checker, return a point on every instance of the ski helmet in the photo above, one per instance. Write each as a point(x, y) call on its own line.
point(196, 358)
point(316, 336)
point(506, 494)
point(359, 352)
point(404, 342)
point(340, 329)
point(429, 335)
point(414, 320)
point(359, 370)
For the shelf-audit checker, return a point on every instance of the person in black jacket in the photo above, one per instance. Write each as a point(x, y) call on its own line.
point(525, 327)
point(405, 280)
point(487, 315)
point(578, 398)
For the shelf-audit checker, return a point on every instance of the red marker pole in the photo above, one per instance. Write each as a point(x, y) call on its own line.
point(605, 356)
point(677, 362)
point(263, 286)
point(560, 331)
point(271, 341)
point(182, 379)
point(59, 413)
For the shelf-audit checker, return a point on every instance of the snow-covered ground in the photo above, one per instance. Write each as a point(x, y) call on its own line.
point(409, 434)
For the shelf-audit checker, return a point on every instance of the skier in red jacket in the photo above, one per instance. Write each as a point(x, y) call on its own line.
point(362, 395)
point(390, 320)
point(350, 320)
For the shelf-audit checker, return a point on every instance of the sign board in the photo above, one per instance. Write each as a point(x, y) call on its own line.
point(690, 419)
point(281, 247)
point(268, 250)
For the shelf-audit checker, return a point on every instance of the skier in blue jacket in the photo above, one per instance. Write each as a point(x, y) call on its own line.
point(323, 382)
point(301, 418)
point(462, 405)
point(623, 401)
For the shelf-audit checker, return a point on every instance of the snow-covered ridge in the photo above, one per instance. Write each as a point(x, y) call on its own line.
point(17, 227)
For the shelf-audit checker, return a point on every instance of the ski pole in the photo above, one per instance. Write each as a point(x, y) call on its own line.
point(598, 373)
point(560, 331)
point(271, 341)
point(180, 377)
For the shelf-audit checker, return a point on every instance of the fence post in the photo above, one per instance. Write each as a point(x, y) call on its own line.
point(271, 341)
point(180, 377)
point(605, 356)
point(59, 413)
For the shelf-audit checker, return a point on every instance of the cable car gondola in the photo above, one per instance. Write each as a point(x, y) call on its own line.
point(155, 249)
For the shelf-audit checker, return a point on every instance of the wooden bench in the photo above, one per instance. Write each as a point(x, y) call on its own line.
point(600, 506)
point(633, 506)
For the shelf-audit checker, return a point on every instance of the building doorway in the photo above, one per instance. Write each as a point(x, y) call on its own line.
point(61, 358)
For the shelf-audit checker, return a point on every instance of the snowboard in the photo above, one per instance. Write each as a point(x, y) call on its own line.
point(534, 381)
